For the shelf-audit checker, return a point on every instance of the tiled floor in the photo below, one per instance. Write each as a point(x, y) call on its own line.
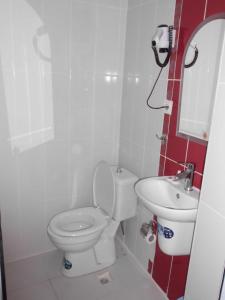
point(39, 278)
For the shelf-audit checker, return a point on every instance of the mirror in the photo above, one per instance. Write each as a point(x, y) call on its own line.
point(199, 81)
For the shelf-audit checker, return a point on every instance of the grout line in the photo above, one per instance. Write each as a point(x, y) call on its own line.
point(163, 156)
point(168, 130)
point(187, 148)
point(54, 291)
point(174, 79)
point(206, 4)
point(198, 173)
point(174, 161)
point(164, 166)
point(178, 37)
point(171, 266)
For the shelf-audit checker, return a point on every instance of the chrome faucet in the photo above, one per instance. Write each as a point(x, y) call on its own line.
point(187, 175)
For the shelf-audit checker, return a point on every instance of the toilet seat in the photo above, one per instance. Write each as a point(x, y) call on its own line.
point(104, 188)
point(78, 222)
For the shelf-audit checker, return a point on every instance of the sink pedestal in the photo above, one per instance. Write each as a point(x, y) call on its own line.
point(175, 238)
point(176, 211)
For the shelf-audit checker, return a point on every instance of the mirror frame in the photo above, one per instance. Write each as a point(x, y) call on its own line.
point(180, 134)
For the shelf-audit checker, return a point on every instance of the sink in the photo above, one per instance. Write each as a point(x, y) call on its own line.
point(166, 198)
point(176, 211)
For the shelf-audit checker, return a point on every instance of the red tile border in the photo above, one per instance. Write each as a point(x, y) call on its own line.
point(196, 153)
point(161, 166)
point(165, 131)
point(178, 277)
point(176, 146)
point(161, 268)
point(197, 181)
point(171, 168)
point(188, 15)
point(215, 7)
point(170, 89)
point(189, 21)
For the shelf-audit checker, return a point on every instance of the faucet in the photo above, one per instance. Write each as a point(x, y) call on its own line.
point(187, 175)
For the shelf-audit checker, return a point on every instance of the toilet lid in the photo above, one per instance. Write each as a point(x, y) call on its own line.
point(104, 188)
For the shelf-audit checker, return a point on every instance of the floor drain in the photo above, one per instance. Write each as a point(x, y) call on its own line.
point(104, 278)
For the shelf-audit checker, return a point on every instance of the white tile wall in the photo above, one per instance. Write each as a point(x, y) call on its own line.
point(208, 252)
point(139, 148)
point(207, 258)
point(138, 123)
point(134, 240)
point(60, 85)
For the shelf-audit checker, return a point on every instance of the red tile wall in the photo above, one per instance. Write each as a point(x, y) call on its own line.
point(170, 272)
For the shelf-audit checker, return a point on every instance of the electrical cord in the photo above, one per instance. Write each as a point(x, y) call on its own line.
point(152, 90)
point(194, 59)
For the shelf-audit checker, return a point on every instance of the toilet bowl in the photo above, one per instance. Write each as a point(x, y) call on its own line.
point(77, 229)
point(86, 235)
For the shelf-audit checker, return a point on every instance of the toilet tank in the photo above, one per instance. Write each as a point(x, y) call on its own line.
point(126, 199)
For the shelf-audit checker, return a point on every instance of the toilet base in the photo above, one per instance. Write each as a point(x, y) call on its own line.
point(100, 256)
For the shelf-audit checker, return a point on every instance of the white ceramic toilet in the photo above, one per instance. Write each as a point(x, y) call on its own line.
point(86, 235)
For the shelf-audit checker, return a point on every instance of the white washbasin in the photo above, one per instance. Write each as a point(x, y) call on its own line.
point(166, 198)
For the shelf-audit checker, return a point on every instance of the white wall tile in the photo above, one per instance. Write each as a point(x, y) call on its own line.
point(59, 104)
point(139, 148)
point(134, 3)
point(207, 256)
point(144, 251)
point(131, 226)
point(111, 3)
point(139, 124)
point(108, 41)
point(71, 84)
point(133, 239)
point(56, 18)
point(59, 116)
point(81, 90)
point(211, 195)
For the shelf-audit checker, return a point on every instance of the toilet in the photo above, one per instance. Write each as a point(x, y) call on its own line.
point(87, 235)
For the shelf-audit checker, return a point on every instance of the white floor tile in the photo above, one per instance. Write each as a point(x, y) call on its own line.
point(127, 283)
point(79, 288)
point(38, 278)
point(33, 270)
point(41, 291)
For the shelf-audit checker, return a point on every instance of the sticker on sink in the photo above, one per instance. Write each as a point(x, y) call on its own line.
point(165, 231)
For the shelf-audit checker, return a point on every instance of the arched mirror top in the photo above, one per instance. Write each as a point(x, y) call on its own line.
point(201, 64)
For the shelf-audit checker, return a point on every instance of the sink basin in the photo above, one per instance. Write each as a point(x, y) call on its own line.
point(166, 198)
point(176, 211)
